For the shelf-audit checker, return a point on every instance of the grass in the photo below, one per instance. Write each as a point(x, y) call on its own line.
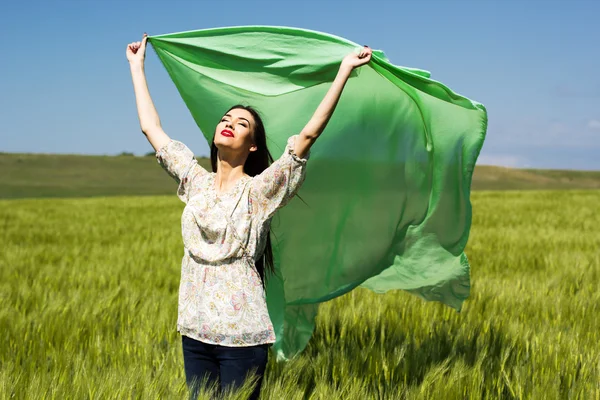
point(50, 175)
point(88, 289)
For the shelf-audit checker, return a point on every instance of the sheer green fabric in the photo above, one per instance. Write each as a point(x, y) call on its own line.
point(386, 197)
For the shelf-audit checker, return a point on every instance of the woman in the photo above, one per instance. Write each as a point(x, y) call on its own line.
point(223, 317)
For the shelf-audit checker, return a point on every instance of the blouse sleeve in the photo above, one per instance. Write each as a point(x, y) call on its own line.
point(280, 182)
point(179, 162)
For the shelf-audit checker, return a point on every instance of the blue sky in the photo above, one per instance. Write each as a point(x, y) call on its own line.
point(65, 85)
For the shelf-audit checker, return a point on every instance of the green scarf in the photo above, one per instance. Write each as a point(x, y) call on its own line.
point(387, 187)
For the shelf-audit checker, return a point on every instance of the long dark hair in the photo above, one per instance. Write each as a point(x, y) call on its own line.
point(256, 163)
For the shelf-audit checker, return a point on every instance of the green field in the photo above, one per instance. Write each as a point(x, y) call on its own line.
point(89, 298)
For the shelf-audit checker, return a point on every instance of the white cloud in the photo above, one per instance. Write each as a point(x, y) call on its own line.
point(594, 124)
point(556, 130)
point(503, 160)
point(544, 133)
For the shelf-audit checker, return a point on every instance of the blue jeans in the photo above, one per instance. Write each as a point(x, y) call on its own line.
point(224, 364)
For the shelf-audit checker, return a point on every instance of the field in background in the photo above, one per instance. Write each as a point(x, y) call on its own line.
point(41, 175)
point(88, 289)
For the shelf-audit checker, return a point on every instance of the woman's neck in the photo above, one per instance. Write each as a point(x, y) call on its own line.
point(228, 173)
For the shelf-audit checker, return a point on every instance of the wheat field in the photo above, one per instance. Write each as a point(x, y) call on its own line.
point(89, 305)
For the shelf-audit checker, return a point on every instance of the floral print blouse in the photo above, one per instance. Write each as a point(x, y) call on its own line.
point(221, 297)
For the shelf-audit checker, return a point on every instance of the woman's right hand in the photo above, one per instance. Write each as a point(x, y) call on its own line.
point(136, 51)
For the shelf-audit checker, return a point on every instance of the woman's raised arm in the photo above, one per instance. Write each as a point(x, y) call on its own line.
point(149, 120)
point(321, 117)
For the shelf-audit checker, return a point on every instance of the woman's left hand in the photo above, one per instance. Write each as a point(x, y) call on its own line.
point(354, 60)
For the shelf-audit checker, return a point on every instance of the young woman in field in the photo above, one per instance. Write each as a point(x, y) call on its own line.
point(223, 318)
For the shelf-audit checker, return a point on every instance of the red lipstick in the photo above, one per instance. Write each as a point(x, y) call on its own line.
point(227, 133)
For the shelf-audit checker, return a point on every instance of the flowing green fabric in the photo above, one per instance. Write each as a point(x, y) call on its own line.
point(386, 197)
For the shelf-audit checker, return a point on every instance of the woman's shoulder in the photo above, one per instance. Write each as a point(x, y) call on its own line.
point(200, 181)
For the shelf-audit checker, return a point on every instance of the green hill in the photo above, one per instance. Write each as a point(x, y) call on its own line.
point(501, 178)
point(51, 175)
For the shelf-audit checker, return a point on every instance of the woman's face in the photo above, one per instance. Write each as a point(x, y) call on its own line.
point(234, 132)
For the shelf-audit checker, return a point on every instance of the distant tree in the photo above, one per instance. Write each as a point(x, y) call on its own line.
point(126, 153)
point(150, 154)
